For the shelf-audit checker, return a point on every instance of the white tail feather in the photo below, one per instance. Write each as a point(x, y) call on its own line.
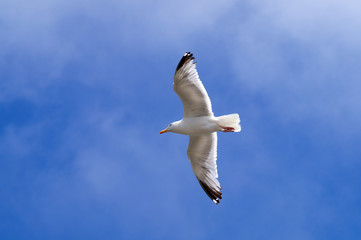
point(230, 120)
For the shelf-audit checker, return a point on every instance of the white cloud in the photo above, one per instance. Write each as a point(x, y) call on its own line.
point(53, 25)
point(317, 21)
point(302, 57)
point(43, 39)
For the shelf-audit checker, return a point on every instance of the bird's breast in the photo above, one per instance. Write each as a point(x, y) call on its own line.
point(198, 125)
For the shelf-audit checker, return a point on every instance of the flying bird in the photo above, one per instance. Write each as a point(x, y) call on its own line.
point(201, 125)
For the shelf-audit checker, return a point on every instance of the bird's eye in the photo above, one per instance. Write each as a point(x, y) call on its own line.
point(170, 125)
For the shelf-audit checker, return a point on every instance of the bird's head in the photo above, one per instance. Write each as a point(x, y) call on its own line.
point(171, 127)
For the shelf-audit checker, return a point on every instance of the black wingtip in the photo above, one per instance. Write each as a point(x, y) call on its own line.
point(188, 56)
point(211, 192)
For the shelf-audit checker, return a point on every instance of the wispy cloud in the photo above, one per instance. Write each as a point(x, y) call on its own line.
point(94, 81)
point(303, 59)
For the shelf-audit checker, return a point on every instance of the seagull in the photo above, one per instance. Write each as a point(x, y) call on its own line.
point(201, 125)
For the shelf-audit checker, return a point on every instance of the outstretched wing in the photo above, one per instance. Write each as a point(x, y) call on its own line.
point(190, 89)
point(202, 152)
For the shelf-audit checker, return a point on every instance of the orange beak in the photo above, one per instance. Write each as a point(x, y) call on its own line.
point(163, 131)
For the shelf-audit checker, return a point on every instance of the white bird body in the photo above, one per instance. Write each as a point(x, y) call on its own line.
point(195, 125)
point(201, 125)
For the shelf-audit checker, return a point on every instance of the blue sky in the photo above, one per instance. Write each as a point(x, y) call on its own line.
point(86, 86)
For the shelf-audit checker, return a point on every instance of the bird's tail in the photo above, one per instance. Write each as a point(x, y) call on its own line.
point(229, 123)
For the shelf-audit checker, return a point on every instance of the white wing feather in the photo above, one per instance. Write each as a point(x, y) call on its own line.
point(202, 153)
point(190, 89)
